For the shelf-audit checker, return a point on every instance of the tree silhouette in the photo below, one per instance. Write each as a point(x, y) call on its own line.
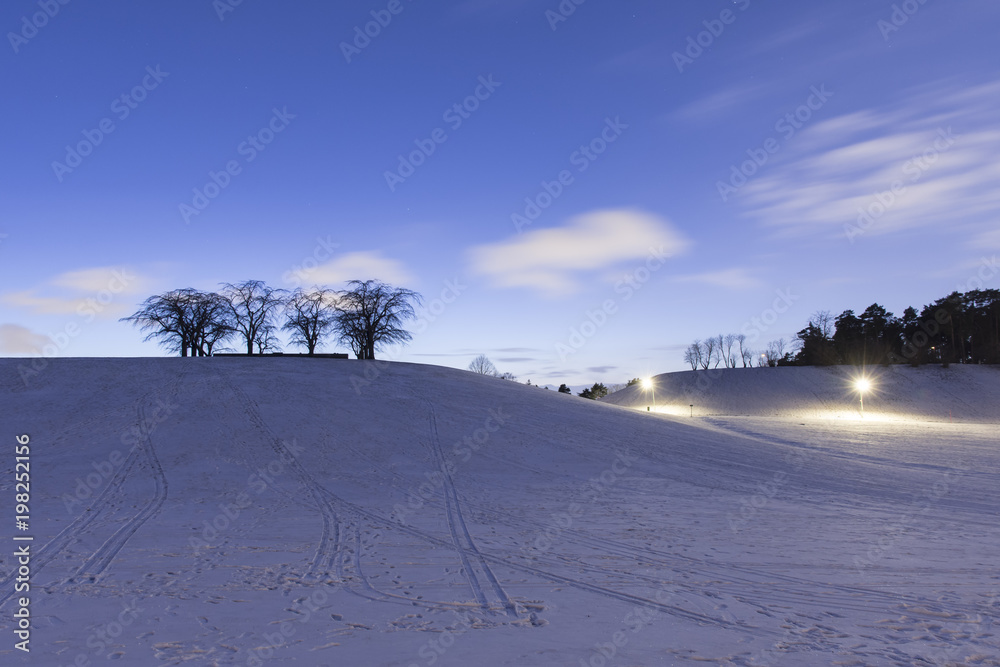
point(184, 321)
point(311, 317)
point(370, 316)
point(483, 366)
point(254, 306)
point(595, 392)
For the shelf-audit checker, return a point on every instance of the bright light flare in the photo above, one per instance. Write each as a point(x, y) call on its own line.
point(863, 385)
point(647, 384)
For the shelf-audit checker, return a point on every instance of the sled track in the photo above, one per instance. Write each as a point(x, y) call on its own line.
point(100, 504)
point(332, 556)
point(464, 542)
point(325, 558)
point(101, 559)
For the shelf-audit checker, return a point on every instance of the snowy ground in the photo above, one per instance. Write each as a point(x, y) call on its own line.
point(560, 532)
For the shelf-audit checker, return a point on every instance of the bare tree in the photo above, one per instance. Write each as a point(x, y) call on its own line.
point(692, 355)
point(825, 322)
point(707, 348)
point(371, 314)
point(483, 366)
point(775, 351)
point(184, 321)
point(211, 321)
point(727, 345)
point(718, 355)
point(310, 316)
point(266, 340)
point(254, 306)
point(746, 354)
point(507, 375)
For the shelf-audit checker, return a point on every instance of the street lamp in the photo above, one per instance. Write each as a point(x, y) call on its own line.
point(863, 385)
point(647, 385)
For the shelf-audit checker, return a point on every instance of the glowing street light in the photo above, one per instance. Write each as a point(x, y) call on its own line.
point(862, 385)
point(647, 385)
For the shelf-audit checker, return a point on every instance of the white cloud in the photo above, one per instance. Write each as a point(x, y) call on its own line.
point(552, 260)
point(15, 339)
point(68, 293)
point(834, 170)
point(989, 240)
point(726, 101)
point(736, 278)
point(357, 266)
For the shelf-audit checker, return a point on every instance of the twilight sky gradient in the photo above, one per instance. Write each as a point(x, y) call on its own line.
point(813, 155)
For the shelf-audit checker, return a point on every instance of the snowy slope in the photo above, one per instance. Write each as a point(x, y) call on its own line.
point(964, 393)
point(295, 511)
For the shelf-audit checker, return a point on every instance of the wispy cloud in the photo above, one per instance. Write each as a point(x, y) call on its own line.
point(101, 290)
point(728, 100)
point(15, 339)
point(735, 278)
point(554, 261)
point(930, 160)
point(357, 266)
point(988, 240)
point(786, 36)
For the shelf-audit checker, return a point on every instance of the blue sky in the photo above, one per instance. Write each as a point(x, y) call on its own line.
point(802, 156)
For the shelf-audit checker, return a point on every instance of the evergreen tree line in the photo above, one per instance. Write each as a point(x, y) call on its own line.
point(961, 328)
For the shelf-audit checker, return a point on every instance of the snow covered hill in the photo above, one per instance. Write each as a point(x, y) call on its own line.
point(963, 393)
point(335, 512)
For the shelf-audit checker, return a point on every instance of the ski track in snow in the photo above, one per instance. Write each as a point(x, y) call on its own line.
point(460, 532)
point(112, 495)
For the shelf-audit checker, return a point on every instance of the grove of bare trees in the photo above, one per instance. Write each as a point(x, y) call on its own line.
point(730, 350)
point(368, 316)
